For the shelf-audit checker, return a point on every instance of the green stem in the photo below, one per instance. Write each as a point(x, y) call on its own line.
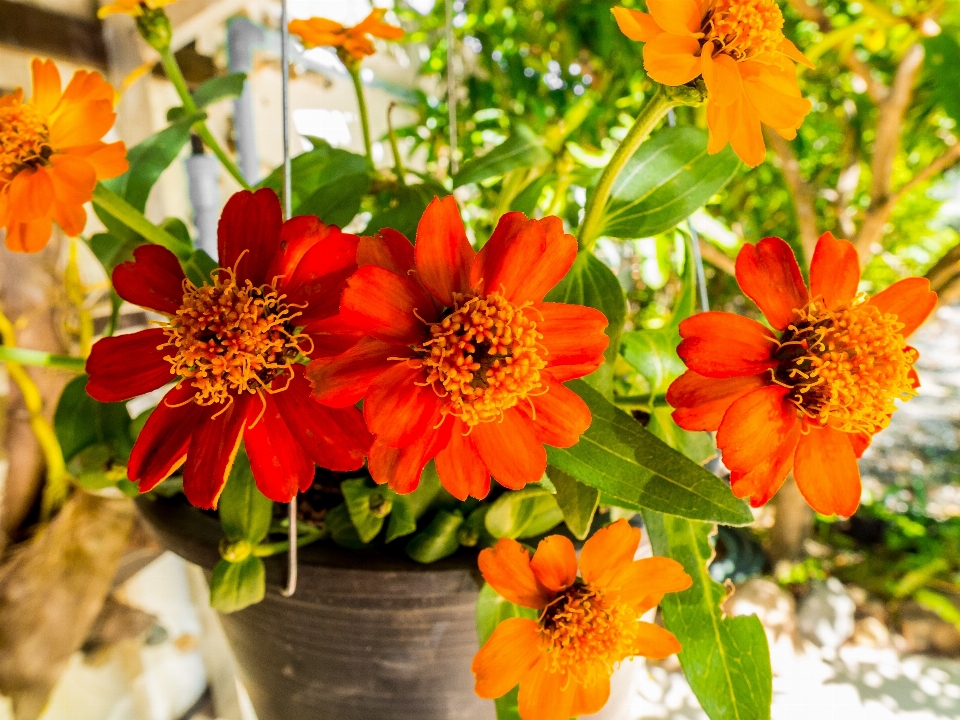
point(309, 536)
point(663, 100)
point(135, 220)
point(354, 69)
point(38, 358)
point(395, 147)
point(172, 68)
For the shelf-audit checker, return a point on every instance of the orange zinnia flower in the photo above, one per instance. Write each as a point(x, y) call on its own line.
point(587, 625)
point(811, 398)
point(51, 154)
point(463, 361)
point(134, 8)
point(350, 41)
point(739, 48)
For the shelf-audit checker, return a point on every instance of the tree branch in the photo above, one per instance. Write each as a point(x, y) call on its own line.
point(946, 271)
point(716, 257)
point(804, 197)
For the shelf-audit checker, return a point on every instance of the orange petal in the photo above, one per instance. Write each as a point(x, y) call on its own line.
point(399, 407)
point(555, 563)
point(608, 552)
point(681, 17)
point(388, 307)
point(30, 195)
point(911, 300)
point(672, 59)
point(46, 86)
point(506, 567)
point(514, 248)
point(401, 468)
point(834, 271)
point(342, 380)
point(506, 657)
point(722, 76)
point(590, 698)
point(442, 251)
point(720, 122)
point(720, 345)
point(762, 482)
point(860, 442)
point(108, 160)
point(636, 25)
point(826, 472)
point(559, 415)
point(572, 334)
point(746, 137)
point(654, 641)
point(388, 249)
point(511, 450)
point(792, 52)
point(755, 426)
point(460, 466)
point(29, 237)
point(545, 695)
point(701, 402)
point(769, 275)
point(643, 583)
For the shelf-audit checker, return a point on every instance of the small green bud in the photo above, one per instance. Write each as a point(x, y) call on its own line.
point(235, 552)
point(468, 536)
point(380, 505)
point(155, 28)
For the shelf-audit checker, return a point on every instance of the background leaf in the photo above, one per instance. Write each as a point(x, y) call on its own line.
point(943, 68)
point(402, 208)
point(578, 502)
point(245, 512)
point(356, 494)
point(234, 586)
point(523, 513)
point(438, 540)
point(522, 149)
point(80, 421)
point(337, 203)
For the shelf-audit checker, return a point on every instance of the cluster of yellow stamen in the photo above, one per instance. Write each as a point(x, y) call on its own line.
point(24, 139)
point(845, 366)
point(744, 29)
point(231, 338)
point(484, 357)
point(587, 632)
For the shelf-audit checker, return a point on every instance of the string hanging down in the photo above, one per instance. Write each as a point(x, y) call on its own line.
point(451, 91)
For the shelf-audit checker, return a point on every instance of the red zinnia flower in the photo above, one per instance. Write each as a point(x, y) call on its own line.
point(463, 361)
point(232, 346)
point(810, 399)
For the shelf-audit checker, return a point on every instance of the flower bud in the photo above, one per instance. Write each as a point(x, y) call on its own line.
point(154, 26)
point(235, 552)
point(380, 505)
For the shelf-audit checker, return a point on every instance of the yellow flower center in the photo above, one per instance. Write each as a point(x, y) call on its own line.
point(483, 357)
point(24, 139)
point(845, 367)
point(232, 338)
point(744, 29)
point(586, 632)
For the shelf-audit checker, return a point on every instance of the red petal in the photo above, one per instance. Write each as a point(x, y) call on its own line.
point(834, 271)
point(161, 446)
point(911, 300)
point(213, 448)
point(332, 336)
point(702, 401)
point(460, 466)
point(153, 279)
point(388, 249)
point(560, 417)
point(860, 442)
point(387, 306)
point(572, 335)
point(401, 468)
point(125, 366)
point(763, 481)
point(443, 252)
point(251, 222)
point(321, 276)
point(563, 373)
point(341, 381)
point(280, 465)
point(769, 275)
point(510, 449)
point(398, 406)
point(297, 236)
point(755, 426)
point(826, 471)
point(334, 438)
point(720, 345)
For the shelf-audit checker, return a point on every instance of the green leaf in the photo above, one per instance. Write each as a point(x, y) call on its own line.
point(625, 462)
point(402, 208)
point(940, 604)
point(80, 422)
point(341, 528)
point(219, 88)
point(523, 513)
point(726, 660)
point(527, 199)
point(577, 501)
point(438, 539)
point(199, 267)
point(235, 586)
point(698, 446)
point(523, 149)
point(943, 68)
point(666, 180)
point(337, 203)
point(402, 521)
point(491, 611)
point(356, 494)
point(245, 513)
point(653, 353)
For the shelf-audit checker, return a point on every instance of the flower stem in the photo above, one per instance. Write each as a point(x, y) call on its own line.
point(172, 68)
point(135, 220)
point(38, 358)
point(354, 70)
point(395, 146)
point(664, 99)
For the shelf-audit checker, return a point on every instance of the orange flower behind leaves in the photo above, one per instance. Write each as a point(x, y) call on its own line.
point(134, 8)
point(587, 625)
point(809, 397)
point(352, 43)
point(52, 155)
point(463, 361)
point(739, 49)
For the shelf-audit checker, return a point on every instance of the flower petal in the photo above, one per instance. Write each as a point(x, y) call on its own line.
point(643, 583)
point(636, 25)
point(387, 306)
point(911, 300)
point(721, 345)
point(746, 136)
point(460, 466)
point(721, 119)
point(342, 380)
point(443, 253)
point(506, 567)
point(589, 698)
point(399, 406)
point(248, 237)
point(763, 481)
point(321, 275)
point(30, 195)
point(555, 563)
point(722, 77)
point(213, 448)
point(792, 52)
point(332, 336)
point(29, 237)
point(510, 449)
point(559, 415)
point(834, 271)
point(546, 695)
point(755, 426)
point(388, 249)
point(153, 279)
point(572, 334)
point(401, 468)
point(682, 17)
point(769, 275)
point(672, 59)
point(608, 553)
point(826, 472)
point(279, 464)
point(701, 402)
point(506, 657)
point(46, 85)
point(655, 642)
point(125, 366)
